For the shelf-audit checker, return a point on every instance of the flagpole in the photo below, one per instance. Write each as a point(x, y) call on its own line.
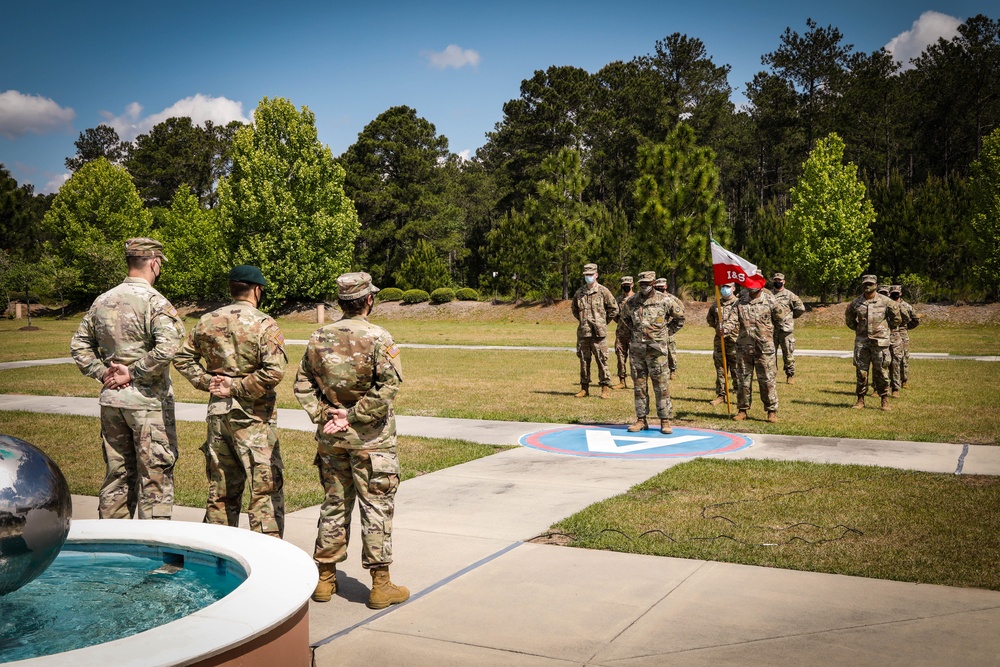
point(722, 342)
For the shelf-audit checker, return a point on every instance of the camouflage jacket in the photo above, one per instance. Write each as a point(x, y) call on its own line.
point(906, 310)
point(593, 307)
point(134, 325)
point(653, 318)
point(730, 319)
point(873, 319)
point(351, 364)
point(622, 332)
point(794, 307)
point(758, 319)
point(243, 343)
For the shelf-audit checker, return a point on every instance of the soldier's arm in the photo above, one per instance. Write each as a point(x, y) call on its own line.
point(84, 349)
point(892, 315)
point(711, 317)
point(387, 372)
point(914, 319)
point(678, 320)
point(188, 363)
point(798, 308)
point(610, 306)
point(778, 312)
point(850, 317)
point(168, 332)
point(308, 392)
point(272, 366)
point(575, 308)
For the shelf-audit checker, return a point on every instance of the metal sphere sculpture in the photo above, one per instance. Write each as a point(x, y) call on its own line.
point(35, 512)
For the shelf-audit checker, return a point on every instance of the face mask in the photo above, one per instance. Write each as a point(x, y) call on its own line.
point(156, 274)
point(726, 291)
point(646, 289)
point(590, 279)
point(779, 285)
point(869, 289)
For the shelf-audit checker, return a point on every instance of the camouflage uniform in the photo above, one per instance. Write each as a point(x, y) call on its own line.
point(133, 324)
point(784, 333)
point(730, 331)
point(912, 322)
point(872, 320)
point(623, 336)
point(896, 345)
point(758, 317)
point(593, 307)
point(240, 342)
point(661, 286)
point(353, 364)
point(651, 319)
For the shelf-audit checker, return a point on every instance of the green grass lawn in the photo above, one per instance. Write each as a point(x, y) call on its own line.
point(855, 520)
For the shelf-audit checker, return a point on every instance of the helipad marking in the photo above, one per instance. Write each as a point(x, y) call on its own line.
point(617, 442)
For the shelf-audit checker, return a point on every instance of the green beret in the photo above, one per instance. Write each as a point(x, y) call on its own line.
point(244, 273)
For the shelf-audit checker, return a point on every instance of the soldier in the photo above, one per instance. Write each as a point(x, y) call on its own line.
point(728, 327)
point(895, 346)
point(784, 333)
point(651, 317)
point(127, 340)
point(759, 314)
point(244, 360)
point(912, 322)
point(347, 381)
point(661, 286)
point(593, 307)
point(622, 334)
point(872, 317)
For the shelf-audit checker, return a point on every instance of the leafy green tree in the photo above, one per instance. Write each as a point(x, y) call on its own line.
point(283, 207)
point(767, 244)
point(830, 219)
point(942, 238)
point(97, 142)
point(174, 152)
point(198, 261)
point(423, 269)
point(677, 195)
point(58, 278)
point(16, 276)
point(986, 214)
point(93, 214)
point(18, 220)
point(513, 250)
point(892, 228)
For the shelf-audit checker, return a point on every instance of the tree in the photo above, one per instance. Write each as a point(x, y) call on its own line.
point(58, 278)
point(98, 142)
point(678, 204)
point(93, 214)
point(423, 269)
point(514, 263)
point(283, 207)
point(986, 214)
point(830, 219)
point(892, 228)
point(175, 151)
point(198, 255)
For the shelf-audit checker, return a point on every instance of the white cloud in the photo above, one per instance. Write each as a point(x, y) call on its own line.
point(453, 56)
point(54, 183)
point(199, 108)
point(20, 114)
point(925, 31)
point(466, 155)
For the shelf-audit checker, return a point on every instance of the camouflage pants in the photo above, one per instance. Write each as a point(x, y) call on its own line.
point(649, 362)
point(904, 375)
point(895, 361)
point(869, 353)
point(240, 448)
point(621, 354)
point(140, 449)
point(371, 476)
point(672, 354)
point(731, 363)
point(593, 347)
point(751, 359)
point(786, 343)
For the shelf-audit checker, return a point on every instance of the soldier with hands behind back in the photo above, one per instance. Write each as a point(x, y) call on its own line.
point(623, 336)
point(759, 315)
point(872, 317)
point(593, 307)
point(727, 327)
point(784, 333)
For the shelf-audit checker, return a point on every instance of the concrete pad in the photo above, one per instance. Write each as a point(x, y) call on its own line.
point(982, 460)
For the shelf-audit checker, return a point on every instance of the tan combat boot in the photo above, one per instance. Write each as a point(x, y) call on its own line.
point(895, 393)
point(740, 416)
point(605, 392)
point(640, 425)
point(885, 404)
point(327, 585)
point(673, 375)
point(384, 592)
point(621, 384)
point(718, 400)
point(772, 416)
point(860, 404)
point(583, 393)
point(903, 386)
point(789, 379)
point(665, 427)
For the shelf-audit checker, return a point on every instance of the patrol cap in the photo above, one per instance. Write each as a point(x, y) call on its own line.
point(352, 286)
point(660, 282)
point(882, 289)
point(778, 276)
point(589, 269)
point(895, 288)
point(627, 280)
point(647, 276)
point(144, 247)
point(244, 273)
point(869, 279)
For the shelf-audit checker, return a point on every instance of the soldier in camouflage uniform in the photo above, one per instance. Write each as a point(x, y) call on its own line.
point(237, 354)
point(784, 333)
point(759, 314)
point(661, 286)
point(347, 381)
point(127, 340)
point(651, 317)
point(727, 327)
point(623, 337)
point(593, 307)
point(912, 322)
point(872, 317)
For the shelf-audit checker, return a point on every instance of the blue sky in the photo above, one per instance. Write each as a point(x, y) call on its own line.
point(69, 66)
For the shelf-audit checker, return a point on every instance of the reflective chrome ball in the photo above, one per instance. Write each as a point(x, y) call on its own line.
point(35, 511)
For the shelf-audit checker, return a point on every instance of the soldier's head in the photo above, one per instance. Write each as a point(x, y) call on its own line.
point(247, 283)
point(727, 290)
point(778, 280)
point(883, 290)
point(646, 280)
point(660, 285)
point(355, 293)
point(895, 292)
point(144, 258)
point(590, 273)
point(627, 283)
point(868, 283)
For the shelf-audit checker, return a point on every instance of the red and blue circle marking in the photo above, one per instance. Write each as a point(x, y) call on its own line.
point(615, 442)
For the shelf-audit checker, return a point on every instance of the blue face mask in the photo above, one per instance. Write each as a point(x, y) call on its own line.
point(726, 291)
point(590, 279)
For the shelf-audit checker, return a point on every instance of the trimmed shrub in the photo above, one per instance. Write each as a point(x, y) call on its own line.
point(415, 296)
point(390, 294)
point(442, 295)
point(467, 294)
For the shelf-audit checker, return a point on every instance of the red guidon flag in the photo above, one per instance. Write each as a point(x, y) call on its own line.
point(730, 268)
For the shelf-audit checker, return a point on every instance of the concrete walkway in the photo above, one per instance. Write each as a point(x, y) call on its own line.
point(483, 596)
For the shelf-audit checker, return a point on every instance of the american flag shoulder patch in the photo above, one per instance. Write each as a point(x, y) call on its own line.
point(393, 351)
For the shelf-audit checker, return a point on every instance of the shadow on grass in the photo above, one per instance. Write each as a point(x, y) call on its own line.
point(823, 404)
